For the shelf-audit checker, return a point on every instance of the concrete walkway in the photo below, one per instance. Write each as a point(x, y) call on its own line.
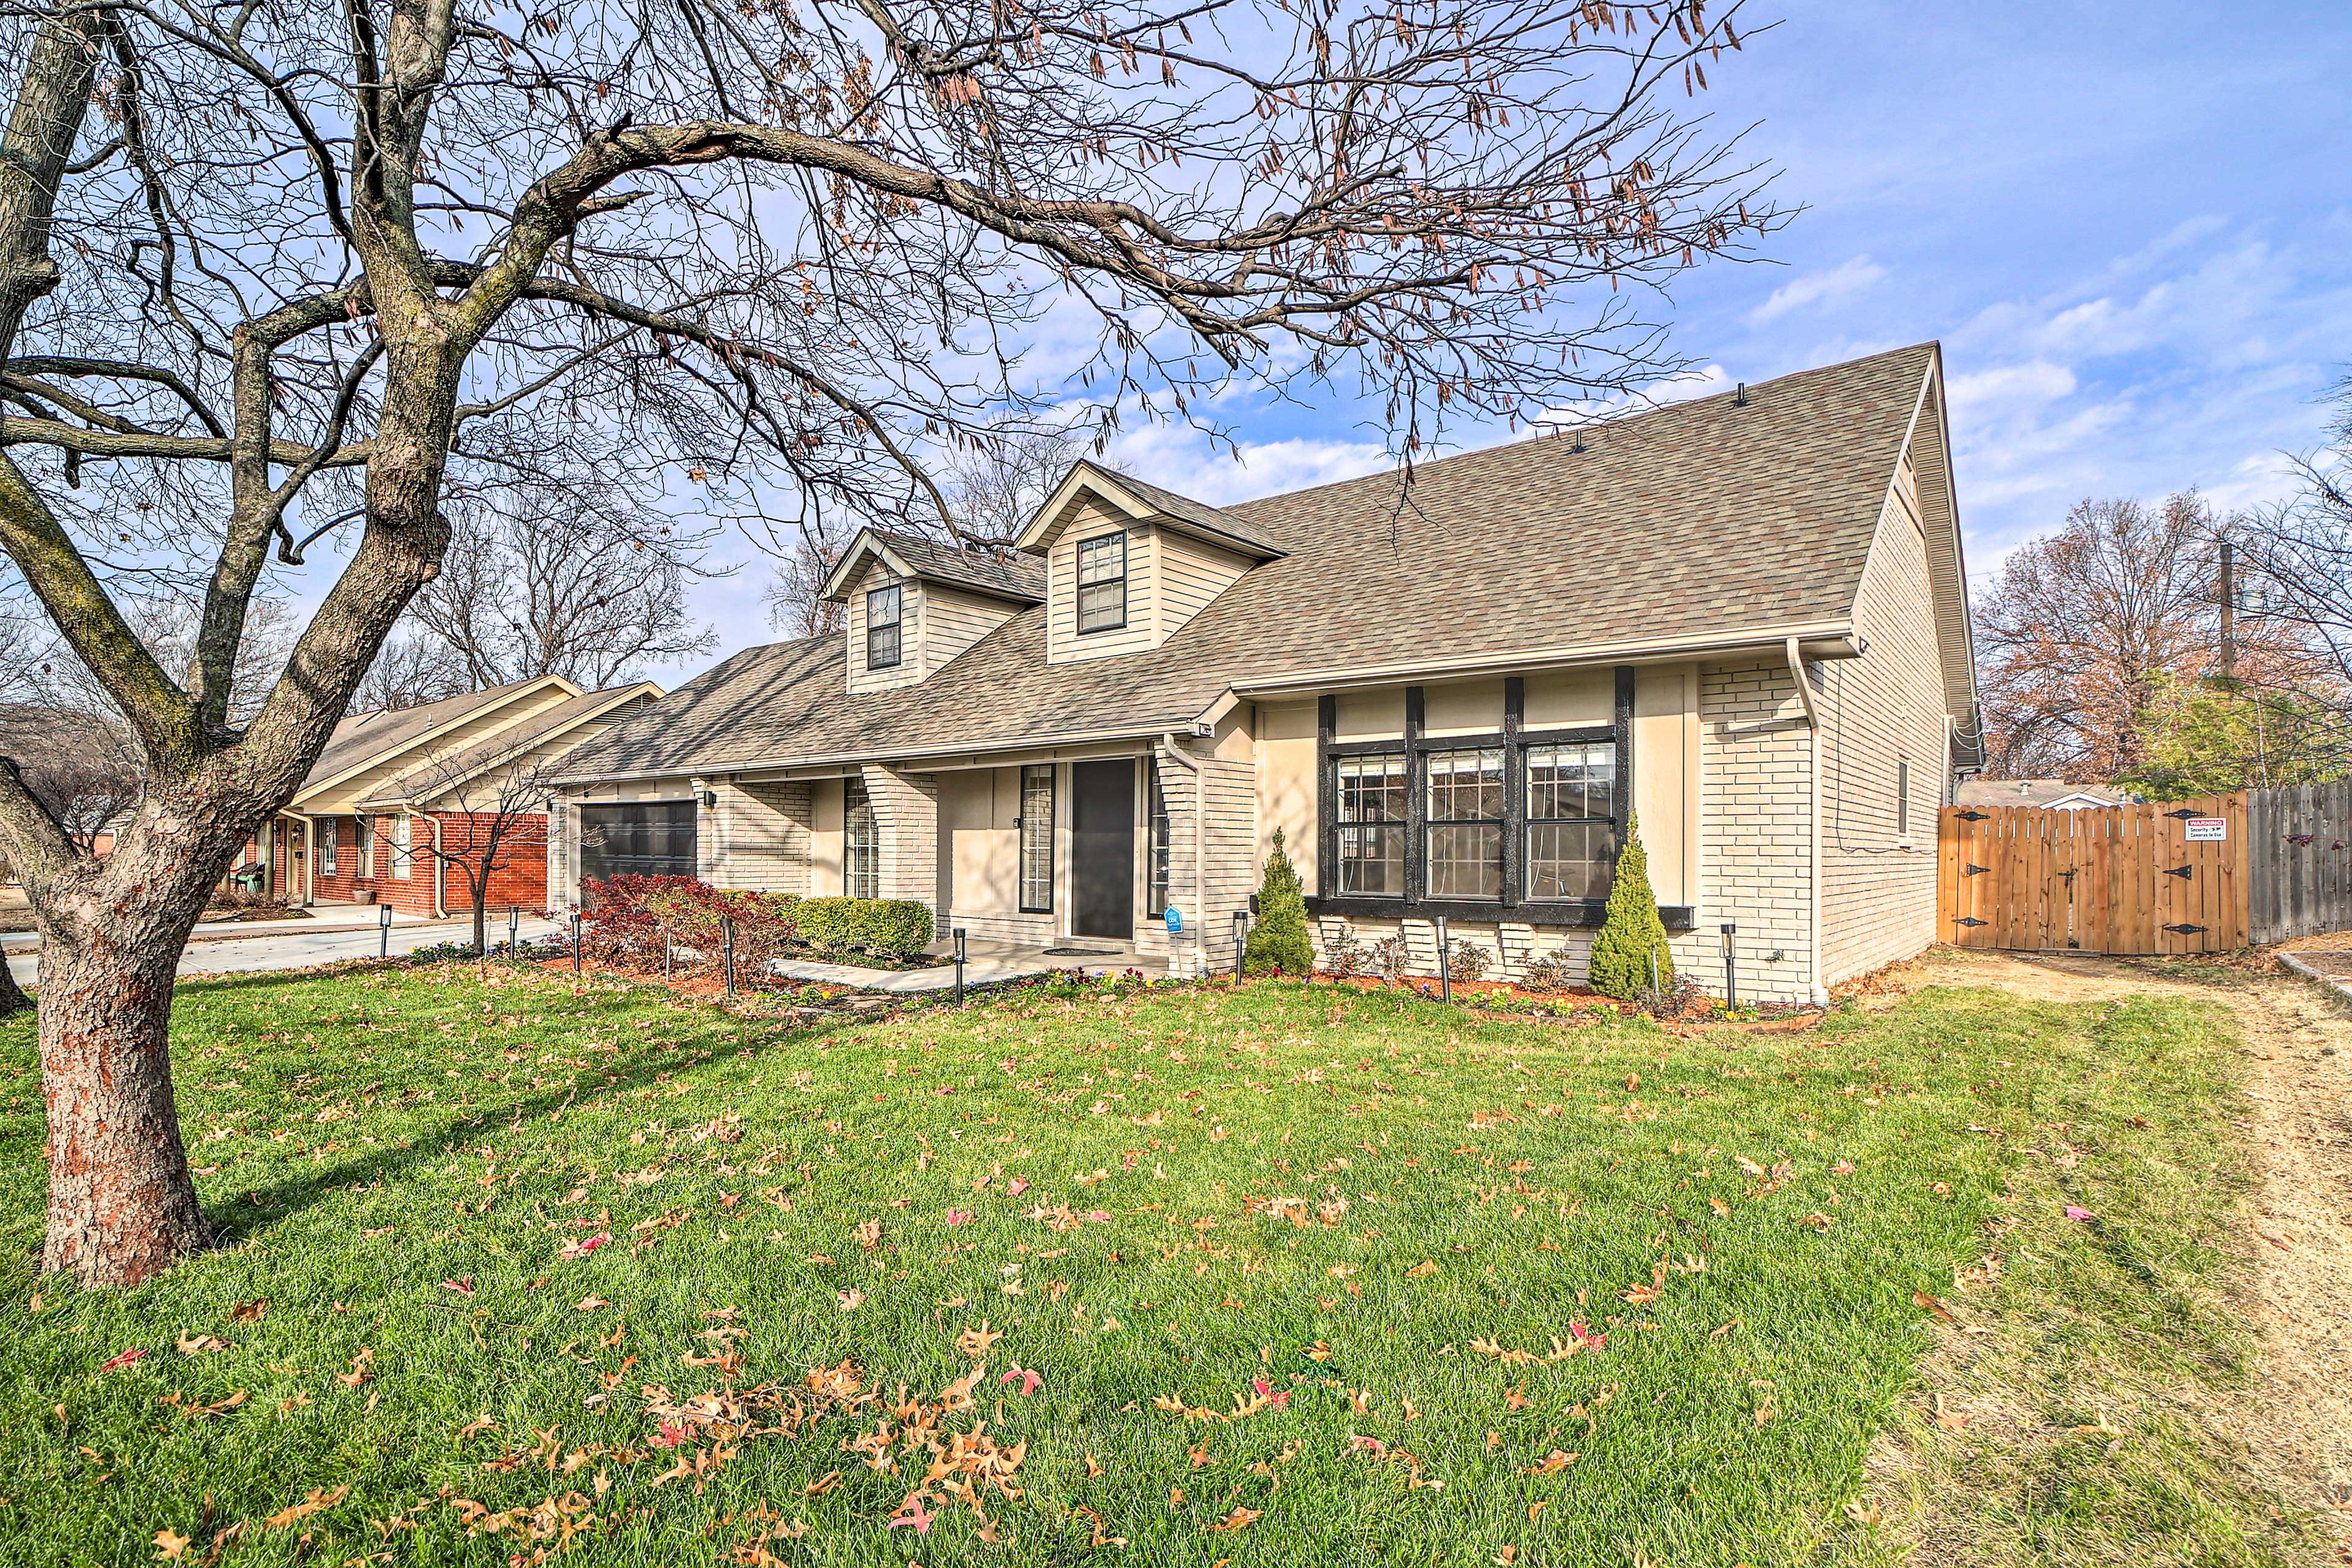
point(288, 944)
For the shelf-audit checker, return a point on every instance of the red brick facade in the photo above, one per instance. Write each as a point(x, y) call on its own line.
point(518, 875)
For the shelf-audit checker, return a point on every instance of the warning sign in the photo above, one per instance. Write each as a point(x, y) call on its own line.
point(2208, 829)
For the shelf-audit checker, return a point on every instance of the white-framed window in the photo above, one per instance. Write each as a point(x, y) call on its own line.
point(403, 847)
point(1903, 801)
point(884, 614)
point(326, 833)
point(1036, 825)
point(861, 838)
point(1102, 583)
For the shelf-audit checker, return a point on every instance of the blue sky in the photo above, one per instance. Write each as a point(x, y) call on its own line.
point(2130, 226)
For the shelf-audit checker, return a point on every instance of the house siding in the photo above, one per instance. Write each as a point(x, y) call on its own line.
point(911, 597)
point(1755, 832)
point(1189, 574)
point(954, 620)
point(1880, 711)
point(1089, 519)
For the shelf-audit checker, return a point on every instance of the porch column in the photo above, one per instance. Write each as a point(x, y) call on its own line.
point(907, 818)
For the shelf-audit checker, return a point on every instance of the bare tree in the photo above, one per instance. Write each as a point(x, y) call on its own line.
point(2296, 559)
point(2086, 636)
point(795, 594)
point(326, 270)
point(485, 815)
point(576, 582)
point(412, 669)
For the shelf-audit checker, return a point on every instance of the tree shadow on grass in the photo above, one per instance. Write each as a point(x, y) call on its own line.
point(261, 1208)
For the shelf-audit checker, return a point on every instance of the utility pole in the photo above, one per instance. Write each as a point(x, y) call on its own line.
point(2228, 612)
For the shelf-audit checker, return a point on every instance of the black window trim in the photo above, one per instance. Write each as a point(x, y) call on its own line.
point(1514, 739)
point(1080, 586)
point(898, 625)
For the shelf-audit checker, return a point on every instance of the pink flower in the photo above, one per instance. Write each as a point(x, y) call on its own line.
point(2073, 1213)
point(959, 1216)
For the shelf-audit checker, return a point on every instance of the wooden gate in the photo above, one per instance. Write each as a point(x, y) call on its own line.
point(2122, 879)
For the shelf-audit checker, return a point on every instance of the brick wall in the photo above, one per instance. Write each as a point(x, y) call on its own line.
point(1755, 832)
point(757, 836)
point(1879, 712)
point(907, 818)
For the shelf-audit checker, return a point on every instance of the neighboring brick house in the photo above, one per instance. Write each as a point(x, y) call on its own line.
point(397, 798)
point(1742, 618)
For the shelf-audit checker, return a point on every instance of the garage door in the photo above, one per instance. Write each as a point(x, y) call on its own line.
point(639, 838)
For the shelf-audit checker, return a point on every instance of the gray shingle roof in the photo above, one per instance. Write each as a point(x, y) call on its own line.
point(1015, 575)
point(1195, 514)
point(1698, 522)
point(367, 737)
point(438, 775)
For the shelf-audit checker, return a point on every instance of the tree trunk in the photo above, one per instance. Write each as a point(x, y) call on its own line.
point(482, 916)
point(122, 1204)
point(13, 999)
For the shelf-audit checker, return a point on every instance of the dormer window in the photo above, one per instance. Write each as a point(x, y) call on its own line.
point(882, 619)
point(1102, 583)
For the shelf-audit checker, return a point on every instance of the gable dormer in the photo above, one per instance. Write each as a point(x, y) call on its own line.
point(914, 603)
point(1128, 563)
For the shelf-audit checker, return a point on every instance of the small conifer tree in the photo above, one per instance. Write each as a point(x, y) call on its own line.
point(1279, 944)
point(1631, 933)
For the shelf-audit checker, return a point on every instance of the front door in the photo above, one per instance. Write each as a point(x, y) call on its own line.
point(1102, 849)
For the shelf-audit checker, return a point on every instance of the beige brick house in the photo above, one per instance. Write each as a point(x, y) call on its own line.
point(1740, 619)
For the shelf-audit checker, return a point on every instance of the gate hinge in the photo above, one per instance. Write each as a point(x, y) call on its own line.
point(2186, 813)
point(1970, 815)
point(1973, 870)
point(2183, 872)
point(1969, 920)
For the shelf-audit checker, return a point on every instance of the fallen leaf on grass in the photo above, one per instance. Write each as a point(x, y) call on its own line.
point(1421, 1270)
point(2075, 1213)
point(573, 1250)
point(318, 1501)
point(124, 1359)
point(1553, 1463)
point(248, 1311)
point(197, 1344)
point(170, 1545)
point(463, 1287)
point(1240, 1519)
point(1027, 1379)
point(214, 1411)
point(589, 1303)
point(481, 1423)
point(1927, 1303)
point(851, 1299)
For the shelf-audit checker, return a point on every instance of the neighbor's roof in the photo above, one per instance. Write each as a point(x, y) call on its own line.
point(439, 775)
point(1011, 575)
point(2034, 792)
point(1707, 521)
point(368, 738)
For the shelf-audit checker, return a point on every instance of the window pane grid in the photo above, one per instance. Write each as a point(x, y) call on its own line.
point(861, 859)
point(1037, 839)
point(1463, 842)
point(1572, 805)
point(882, 618)
point(1370, 830)
point(1102, 583)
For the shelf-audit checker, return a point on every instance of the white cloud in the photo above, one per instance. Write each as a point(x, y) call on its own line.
point(1839, 282)
point(1183, 459)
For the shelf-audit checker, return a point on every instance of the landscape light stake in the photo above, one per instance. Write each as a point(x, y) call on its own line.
point(1241, 938)
point(668, 953)
point(958, 957)
point(1730, 975)
point(514, 933)
point(383, 924)
point(1444, 961)
point(576, 942)
point(1654, 972)
point(727, 951)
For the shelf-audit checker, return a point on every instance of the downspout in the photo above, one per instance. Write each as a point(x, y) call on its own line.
point(441, 873)
point(1199, 844)
point(1817, 993)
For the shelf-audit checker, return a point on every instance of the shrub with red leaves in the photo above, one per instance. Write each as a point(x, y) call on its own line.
point(629, 916)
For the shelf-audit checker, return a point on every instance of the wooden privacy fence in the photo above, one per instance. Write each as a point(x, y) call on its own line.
point(2162, 878)
point(2301, 838)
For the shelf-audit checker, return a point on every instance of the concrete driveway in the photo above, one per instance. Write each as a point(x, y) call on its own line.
point(287, 945)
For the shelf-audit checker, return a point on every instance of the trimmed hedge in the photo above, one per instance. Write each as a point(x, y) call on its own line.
point(887, 928)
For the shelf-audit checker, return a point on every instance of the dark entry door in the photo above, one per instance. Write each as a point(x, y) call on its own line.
point(1102, 849)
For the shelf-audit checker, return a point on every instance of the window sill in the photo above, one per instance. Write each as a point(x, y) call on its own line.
point(1574, 912)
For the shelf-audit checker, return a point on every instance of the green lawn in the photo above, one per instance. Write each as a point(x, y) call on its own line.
point(1283, 1276)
